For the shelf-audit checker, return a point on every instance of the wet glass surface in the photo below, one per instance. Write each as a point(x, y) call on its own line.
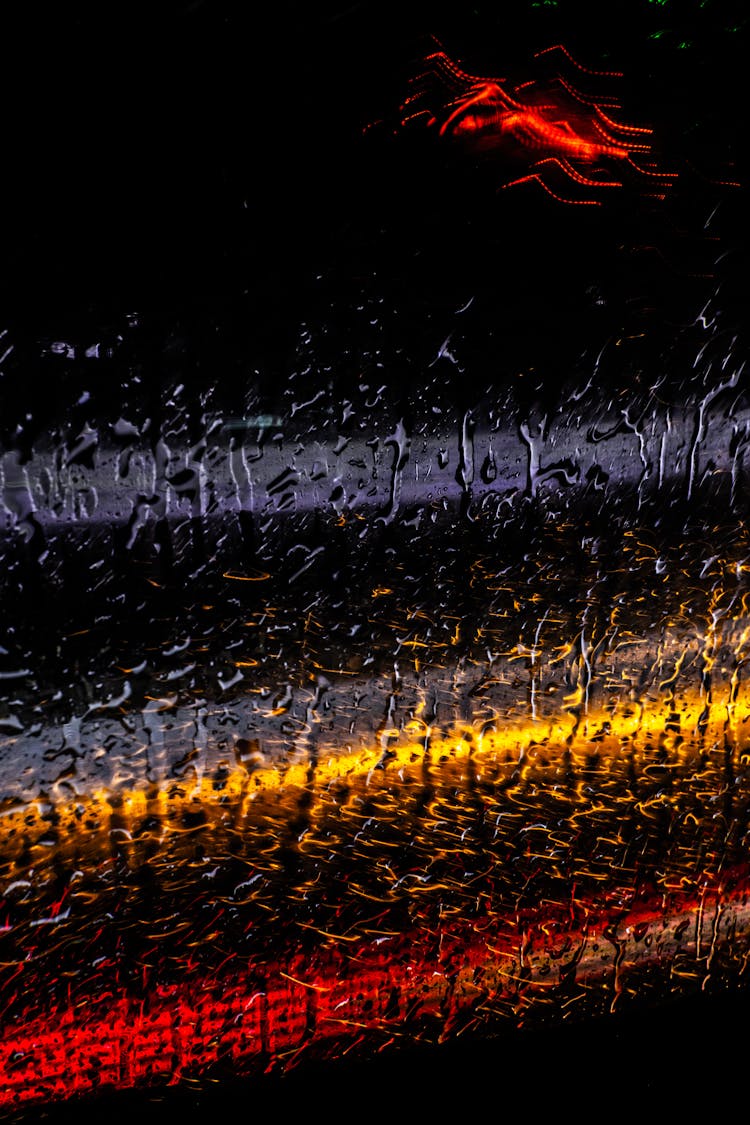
point(373, 547)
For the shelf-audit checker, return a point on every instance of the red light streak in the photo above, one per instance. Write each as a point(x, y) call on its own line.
point(579, 66)
point(320, 1004)
point(553, 119)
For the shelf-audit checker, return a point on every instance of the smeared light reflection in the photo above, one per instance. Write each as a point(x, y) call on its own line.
point(465, 879)
point(574, 141)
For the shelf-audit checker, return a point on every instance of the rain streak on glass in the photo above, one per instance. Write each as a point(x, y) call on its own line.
point(384, 682)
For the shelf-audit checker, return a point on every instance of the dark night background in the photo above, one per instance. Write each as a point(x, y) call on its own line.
point(205, 165)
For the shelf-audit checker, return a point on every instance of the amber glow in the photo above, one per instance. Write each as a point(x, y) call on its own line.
point(514, 749)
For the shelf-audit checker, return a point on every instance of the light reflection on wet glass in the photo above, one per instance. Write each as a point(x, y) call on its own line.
point(392, 691)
